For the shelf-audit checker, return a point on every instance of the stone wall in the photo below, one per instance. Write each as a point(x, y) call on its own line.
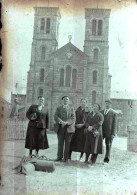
point(128, 107)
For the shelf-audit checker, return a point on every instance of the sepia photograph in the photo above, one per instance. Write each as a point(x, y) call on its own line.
point(68, 97)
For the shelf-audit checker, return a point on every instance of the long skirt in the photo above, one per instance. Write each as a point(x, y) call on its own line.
point(78, 140)
point(93, 145)
point(36, 139)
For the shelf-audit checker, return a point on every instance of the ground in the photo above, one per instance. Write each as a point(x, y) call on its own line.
point(118, 177)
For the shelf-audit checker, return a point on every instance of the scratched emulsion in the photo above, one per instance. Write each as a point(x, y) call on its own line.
point(16, 53)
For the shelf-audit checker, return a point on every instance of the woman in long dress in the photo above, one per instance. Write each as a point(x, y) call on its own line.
point(78, 139)
point(94, 139)
point(36, 137)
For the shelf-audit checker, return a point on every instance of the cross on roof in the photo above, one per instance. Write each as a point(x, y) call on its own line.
point(69, 37)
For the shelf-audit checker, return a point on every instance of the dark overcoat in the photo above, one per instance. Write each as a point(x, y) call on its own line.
point(36, 137)
point(94, 145)
point(78, 139)
point(110, 123)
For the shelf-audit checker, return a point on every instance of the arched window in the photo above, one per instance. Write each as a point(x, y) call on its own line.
point(42, 24)
point(96, 52)
point(74, 78)
point(94, 26)
point(43, 50)
point(62, 77)
point(68, 76)
point(95, 77)
point(42, 75)
point(100, 27)
point(40, 92)
point(93, 97)
point(48, 26)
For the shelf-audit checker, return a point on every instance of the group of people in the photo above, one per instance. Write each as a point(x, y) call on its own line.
point(79, 131)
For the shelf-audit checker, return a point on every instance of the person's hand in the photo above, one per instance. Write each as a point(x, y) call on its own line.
point(96, 133)
point(90, 128)
point(33, 117)
point(60, 121)
point(64, 123)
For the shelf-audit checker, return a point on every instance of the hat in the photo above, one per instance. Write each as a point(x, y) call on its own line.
point(64, 97)
point(109, 101)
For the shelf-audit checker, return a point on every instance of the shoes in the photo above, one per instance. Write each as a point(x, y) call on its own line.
point(92, 163)
point(58, 159)
point(86, 162)
point(32, 156)
point(106, 163)
point(106, 160)
point(65, 160)
point(80, 160)
point(36, 154)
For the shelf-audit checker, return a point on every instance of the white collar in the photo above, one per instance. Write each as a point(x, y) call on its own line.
point(106, 110)
point(40, 107)
point(94, 113)
point(65, 106)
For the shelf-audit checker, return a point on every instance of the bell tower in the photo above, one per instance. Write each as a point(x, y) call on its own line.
point(97, 48)
point(45, 42)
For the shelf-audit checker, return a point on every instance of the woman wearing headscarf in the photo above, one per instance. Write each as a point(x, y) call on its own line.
point(36, 137)
point(94, 139)
point(78, 139)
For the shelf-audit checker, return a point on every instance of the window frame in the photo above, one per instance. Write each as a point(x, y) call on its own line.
point(75, 77)
point(94, 55)
point(68, 75)
point(42, 75)
point(95, 71)
point(43, 53)
point(95, 27)
point(101, 27)
point(63, 77)
point(39, 91)
point(48, 25)
point(42, 24)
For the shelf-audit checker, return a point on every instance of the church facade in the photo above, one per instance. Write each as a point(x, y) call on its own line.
point(69, 71)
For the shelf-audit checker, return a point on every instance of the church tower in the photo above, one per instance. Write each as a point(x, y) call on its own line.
point(97, 48)
point(45, 42)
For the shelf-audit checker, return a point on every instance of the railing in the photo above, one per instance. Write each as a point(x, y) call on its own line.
point(13, 129)
point(16, 129)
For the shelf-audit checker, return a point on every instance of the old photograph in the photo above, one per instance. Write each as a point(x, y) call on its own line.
point(68, 97)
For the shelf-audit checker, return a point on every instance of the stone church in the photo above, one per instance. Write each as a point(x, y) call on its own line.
point(69, 71)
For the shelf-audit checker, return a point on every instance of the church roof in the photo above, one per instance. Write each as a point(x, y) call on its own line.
point(125, 95)
point(72, 48)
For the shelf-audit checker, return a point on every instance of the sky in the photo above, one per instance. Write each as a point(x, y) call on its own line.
point(17, 35)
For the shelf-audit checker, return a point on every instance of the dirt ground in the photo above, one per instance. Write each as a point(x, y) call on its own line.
point(118, 177)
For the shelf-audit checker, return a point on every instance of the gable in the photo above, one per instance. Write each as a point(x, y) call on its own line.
point(69, 49)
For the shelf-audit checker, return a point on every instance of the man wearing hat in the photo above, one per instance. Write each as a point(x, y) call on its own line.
point(64, 126)
point(108, 128)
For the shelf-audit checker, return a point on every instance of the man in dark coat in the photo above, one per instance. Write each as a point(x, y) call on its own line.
point(108, 127)
point(64, 126)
